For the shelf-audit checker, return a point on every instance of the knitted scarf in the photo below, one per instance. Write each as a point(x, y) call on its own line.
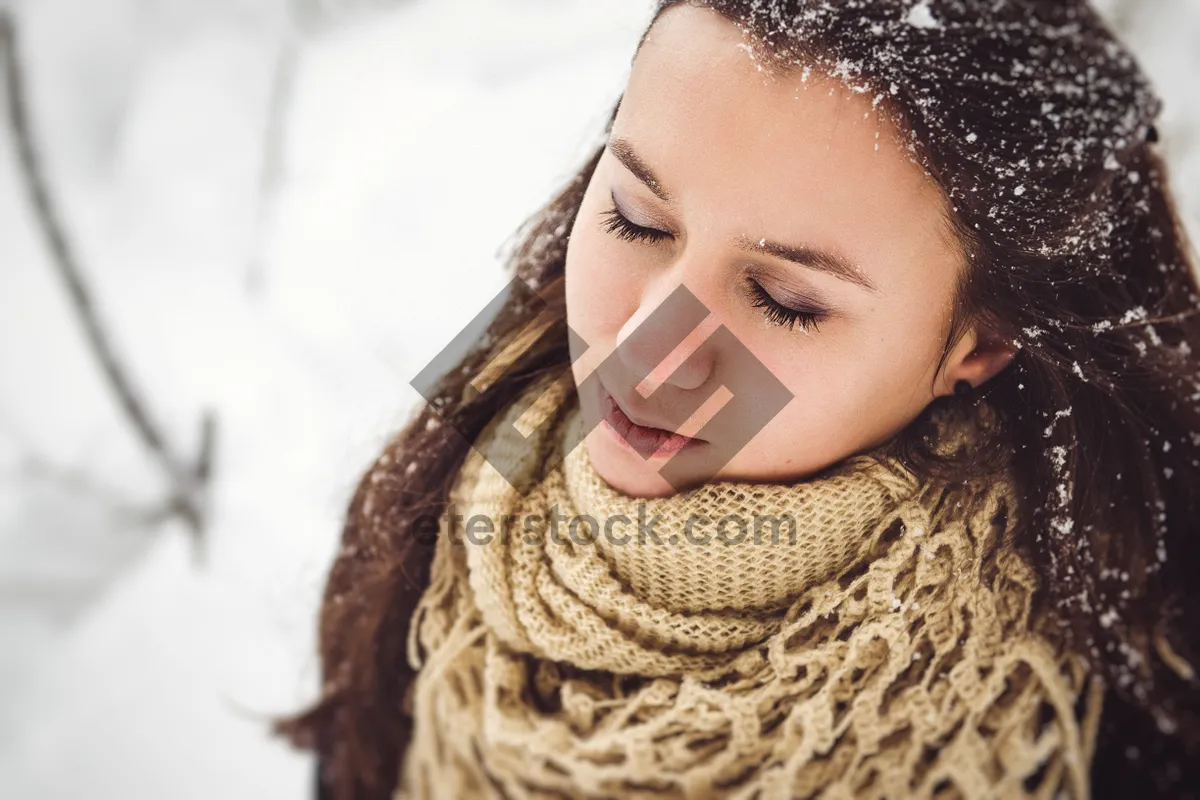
point(881, 643)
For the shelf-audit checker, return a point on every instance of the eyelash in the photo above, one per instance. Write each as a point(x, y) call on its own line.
point(620, 226)
point(778, 314)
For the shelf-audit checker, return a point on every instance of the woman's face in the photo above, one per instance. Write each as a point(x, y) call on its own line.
point(787, 208)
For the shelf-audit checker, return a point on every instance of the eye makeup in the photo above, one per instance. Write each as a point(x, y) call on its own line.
point(618, 224)
point(785, 315)
point(788, 313)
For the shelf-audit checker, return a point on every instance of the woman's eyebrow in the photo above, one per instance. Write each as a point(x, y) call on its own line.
point(811, 257)
point(623, 150)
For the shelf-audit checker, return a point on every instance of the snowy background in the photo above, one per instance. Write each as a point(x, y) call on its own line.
point(283, 209)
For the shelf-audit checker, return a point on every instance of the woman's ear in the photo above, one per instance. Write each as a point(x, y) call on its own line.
point(980, 354)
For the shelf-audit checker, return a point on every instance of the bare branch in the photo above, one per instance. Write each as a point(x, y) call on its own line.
point(303, 21)
point(189, 482)
point(278, 112)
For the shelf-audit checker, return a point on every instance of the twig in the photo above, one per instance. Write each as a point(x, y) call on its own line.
point(278, 113)
point(303, 19)
point(189, 483)
point(73, 590)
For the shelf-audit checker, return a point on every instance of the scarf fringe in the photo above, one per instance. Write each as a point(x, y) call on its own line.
point(918, 672)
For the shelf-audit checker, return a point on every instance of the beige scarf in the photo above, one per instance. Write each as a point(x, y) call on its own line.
point(882, 646)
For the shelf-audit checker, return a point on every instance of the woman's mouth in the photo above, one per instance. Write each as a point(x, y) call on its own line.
point(647, 442)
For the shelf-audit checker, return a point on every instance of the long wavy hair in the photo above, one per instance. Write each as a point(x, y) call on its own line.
point(1039, 127)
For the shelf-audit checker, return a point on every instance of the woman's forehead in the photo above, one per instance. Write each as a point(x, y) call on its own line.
point(696, 81)
point(792, 157)
point(1006, 103)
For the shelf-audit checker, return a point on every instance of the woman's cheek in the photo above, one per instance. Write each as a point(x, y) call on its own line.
point(611, 289)
point(593, 296)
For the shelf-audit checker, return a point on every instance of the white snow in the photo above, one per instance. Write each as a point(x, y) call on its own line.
point(420, 135)
point(920, 16)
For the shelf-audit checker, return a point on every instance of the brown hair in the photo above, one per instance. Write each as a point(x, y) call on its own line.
point(1038, 126)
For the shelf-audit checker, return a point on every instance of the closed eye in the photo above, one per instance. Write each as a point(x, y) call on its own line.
point(773, 311)
point(620, 226)
point(777, 313)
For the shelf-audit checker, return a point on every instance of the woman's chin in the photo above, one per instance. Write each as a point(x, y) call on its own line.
point(623, 468)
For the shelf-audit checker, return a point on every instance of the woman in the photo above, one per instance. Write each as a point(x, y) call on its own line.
point(928, 254)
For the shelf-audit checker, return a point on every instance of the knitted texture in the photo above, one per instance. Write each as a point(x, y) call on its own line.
point(883, 646)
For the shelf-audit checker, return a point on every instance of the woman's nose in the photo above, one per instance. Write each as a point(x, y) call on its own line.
point(646, 343)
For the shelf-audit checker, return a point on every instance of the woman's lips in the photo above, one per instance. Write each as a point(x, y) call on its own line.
point(647, 442)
